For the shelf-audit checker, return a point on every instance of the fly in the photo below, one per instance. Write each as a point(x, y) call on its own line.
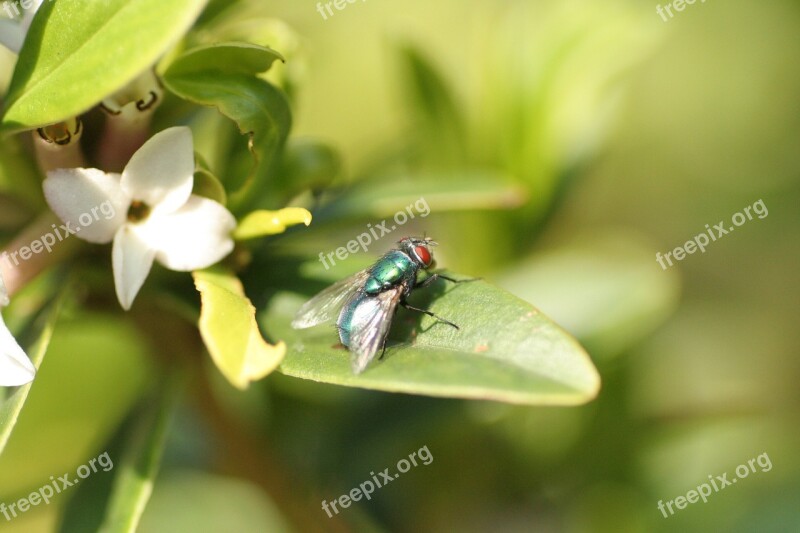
point(367, 301)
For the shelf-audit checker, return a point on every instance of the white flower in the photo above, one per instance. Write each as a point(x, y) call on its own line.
point(14, 29)
point(136, 100)
point(15, 367)
point(155, 214)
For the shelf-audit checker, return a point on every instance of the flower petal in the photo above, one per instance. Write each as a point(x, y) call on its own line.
point(15, 367)
point(12, 34)
point(194, 237)
point(132, 260)
point(30, 12)
point(137, 100)
point(161, 172)
point(13, 31)
point(88, 200)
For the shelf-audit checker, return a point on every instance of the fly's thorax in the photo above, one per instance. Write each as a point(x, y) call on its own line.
point(392, 269)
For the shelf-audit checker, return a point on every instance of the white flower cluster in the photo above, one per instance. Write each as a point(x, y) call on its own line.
point(155, 215)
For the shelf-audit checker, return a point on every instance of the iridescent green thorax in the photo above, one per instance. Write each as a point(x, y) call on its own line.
point(392, 269)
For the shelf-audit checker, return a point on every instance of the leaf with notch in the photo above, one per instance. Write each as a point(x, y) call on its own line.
point(224, 76)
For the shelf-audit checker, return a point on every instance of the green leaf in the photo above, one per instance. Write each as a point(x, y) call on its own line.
point(442, 131)
point(506, 350)
point(40, 331)
point(261, 223)
point(80, 51)
point(207, 185)
point(457, 191)
point(305, 165)
point(135, 476)
point(255, 22)
point(225, 58)
point(224, 76)
point(230, 332)
point(19, 177)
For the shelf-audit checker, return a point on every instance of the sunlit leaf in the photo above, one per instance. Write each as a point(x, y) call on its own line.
point(230, 332)
point(79, 51)
point(261, 223)
point(506, 350)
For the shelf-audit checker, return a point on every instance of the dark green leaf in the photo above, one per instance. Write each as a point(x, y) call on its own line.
point(306, 165)
point(224, 76)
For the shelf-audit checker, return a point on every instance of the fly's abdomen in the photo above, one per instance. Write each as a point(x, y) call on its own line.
point(356, 314)
point(390, 269)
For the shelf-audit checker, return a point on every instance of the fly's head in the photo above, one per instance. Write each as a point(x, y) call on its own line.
point(419, 250)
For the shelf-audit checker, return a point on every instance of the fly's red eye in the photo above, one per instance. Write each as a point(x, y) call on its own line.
point(423, 254)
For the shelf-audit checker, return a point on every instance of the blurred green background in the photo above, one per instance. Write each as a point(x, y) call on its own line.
point(561, 145)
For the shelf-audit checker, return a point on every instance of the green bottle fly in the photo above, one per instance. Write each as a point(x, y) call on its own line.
point(367, 301)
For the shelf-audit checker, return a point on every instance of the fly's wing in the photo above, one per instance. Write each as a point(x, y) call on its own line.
point(373, 317)
point(325, 306)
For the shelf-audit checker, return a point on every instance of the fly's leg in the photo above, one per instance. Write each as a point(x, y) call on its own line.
point(383, 349)
point(433, 277)
point(427, 281)
point(385, 338)
point(429, 313)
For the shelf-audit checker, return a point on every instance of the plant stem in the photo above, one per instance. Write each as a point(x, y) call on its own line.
point(20, 263)
point(121, 138)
